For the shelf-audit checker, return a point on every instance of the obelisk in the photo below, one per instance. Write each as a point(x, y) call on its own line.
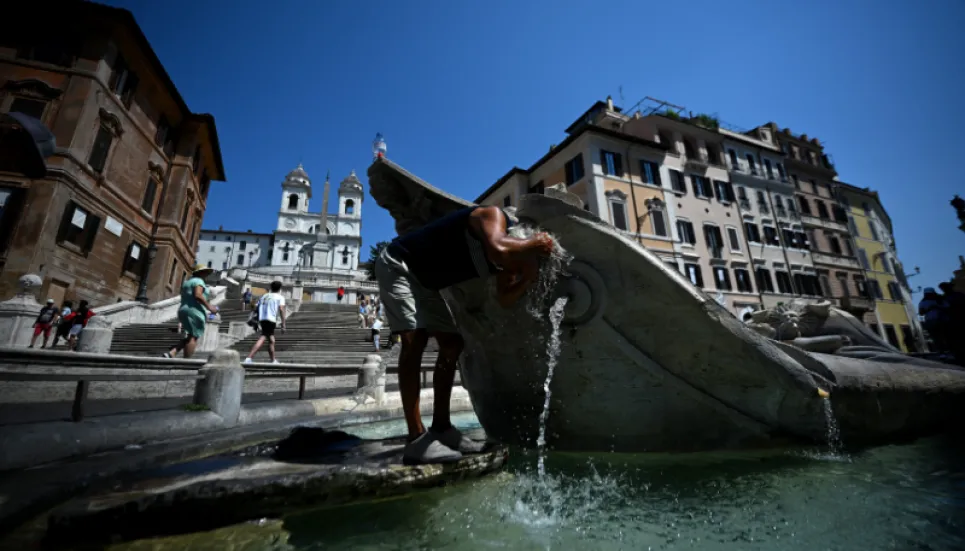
point(321, 233)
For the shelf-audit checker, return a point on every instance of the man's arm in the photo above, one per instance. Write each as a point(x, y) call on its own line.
point(281, 312)
point(488, 224)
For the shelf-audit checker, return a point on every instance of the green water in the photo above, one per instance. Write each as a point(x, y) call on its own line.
point(904, 498)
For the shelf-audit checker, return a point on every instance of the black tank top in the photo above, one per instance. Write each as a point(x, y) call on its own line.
point(443, 252)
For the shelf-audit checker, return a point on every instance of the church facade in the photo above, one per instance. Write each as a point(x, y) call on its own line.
point(312, 253)
point(319, 243)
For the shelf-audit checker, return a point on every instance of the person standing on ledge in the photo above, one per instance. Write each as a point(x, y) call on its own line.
point(467, 244)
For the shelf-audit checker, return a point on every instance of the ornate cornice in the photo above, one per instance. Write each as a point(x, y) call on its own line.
point(33, 88)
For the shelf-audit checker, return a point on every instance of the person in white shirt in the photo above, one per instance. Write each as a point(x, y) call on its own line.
point(271, 310)
point(376, 332)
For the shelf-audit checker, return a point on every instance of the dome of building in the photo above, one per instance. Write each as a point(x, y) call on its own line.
point(351, 182)
point(298, 174)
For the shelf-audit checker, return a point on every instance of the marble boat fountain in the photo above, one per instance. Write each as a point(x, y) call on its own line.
point(650, 363)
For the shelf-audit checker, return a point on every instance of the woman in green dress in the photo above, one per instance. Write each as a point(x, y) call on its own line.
point(193, 313)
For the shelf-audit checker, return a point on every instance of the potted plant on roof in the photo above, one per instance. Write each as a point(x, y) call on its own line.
point(706, 121)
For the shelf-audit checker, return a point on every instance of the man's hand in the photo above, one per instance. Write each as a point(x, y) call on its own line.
point(542, 243)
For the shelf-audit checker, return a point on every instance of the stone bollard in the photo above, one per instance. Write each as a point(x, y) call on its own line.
point(17, 317)
point(210, 340)
point(97, 336)
point(221, 388)
point(372, 379)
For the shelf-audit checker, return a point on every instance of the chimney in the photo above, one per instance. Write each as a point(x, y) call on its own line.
point(609, 103)
point(220, 228)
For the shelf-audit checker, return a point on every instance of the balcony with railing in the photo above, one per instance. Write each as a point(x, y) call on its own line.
point(696, 161)
point(857, 304)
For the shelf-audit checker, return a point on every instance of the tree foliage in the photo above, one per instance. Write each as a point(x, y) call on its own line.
point(374, 252)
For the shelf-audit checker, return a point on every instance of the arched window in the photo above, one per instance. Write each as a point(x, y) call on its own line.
point(350, 207)
point(293, 201)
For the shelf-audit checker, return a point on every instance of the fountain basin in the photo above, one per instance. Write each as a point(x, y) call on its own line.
point(218, 492)
point(648, 361)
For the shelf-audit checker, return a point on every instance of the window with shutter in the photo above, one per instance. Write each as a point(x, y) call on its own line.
point(752, 233)
point(677, 181)
point(722, 279)
point(764, 282)
point(735, 244)
point(78, 228)
point(693, 273)
point(863, 257)
point(783, 282)
point(98, 153)
point(685, 231)
point(770, 236)
point(612, 163)
point(618, 215)
point(184, 216)
point(822, 210)
point(134, 258)
point(768, 170)
point(574, 169)
point(743, 280)
point(804, 204)
point(657, 220)
point(147, 203)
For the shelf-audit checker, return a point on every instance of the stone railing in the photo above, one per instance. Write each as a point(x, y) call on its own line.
point(18, 314)
point(129, 311)
point(308, 280)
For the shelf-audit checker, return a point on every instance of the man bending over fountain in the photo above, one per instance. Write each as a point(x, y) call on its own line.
point(467, 244)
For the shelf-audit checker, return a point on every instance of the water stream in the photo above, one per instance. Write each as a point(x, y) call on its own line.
point(552, 355)
point(834, 433)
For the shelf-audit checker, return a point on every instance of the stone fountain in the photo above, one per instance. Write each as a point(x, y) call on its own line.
point(651, 363)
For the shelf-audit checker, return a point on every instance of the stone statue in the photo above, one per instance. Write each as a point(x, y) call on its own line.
point(648, 362)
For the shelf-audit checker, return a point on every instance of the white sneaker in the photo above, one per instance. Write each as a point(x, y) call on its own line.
point(247, 360)
point(275, 361)
point(453, 438)
point(427, 449)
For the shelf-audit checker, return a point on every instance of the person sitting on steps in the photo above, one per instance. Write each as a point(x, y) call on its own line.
point(467, 244)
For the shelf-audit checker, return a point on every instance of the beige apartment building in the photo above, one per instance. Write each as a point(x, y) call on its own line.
point(833, 250)
point(774, 237)
point(619, 176)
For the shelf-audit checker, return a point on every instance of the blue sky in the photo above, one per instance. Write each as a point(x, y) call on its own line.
point(463, 91)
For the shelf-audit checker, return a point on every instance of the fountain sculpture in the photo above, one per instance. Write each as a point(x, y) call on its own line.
point(649, 362)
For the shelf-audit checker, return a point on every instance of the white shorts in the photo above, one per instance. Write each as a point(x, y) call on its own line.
point(75, 330)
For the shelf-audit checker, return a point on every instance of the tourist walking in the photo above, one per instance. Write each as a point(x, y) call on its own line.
point(362, 323)
point(340, 294)
point(193, 312)
point(246, 299)
point(376, 333)
point(44, 323)
point(271, 311)
point(78, 321)
point(63, 327)
point(467, 244)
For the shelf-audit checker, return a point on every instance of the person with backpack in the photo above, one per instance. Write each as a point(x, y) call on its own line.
point(78, 321)
point(271, 311)
point(44, 323)
point(63, 327)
